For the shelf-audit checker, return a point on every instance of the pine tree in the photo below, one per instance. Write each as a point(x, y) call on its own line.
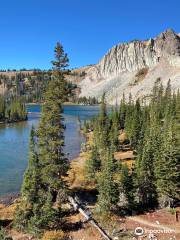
point(31, 177)
point(107, 188)
point(2, 108)
point(101, 132)
point(12, 110)
point(129, 117)
point(114, 129)
point(126, 187)
point(50, 164)
point(103, 112)
point(93, 164)
point(168, 91)
point(30, 187)
point(122, 112)
point(144, 173)
point(54, 164)
point(167, 167)
point(136, 124)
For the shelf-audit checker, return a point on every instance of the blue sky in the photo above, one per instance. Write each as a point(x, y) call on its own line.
point(29, 29)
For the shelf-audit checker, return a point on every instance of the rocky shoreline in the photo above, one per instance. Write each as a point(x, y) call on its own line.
point(9, 198)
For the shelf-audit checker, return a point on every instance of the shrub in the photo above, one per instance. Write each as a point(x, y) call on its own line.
point(172, 211)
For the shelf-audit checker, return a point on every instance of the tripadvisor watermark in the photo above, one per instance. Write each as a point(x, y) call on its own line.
point(139, 231)
point(151, 234)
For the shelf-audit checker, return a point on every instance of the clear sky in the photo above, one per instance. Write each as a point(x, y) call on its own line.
point(29, 29)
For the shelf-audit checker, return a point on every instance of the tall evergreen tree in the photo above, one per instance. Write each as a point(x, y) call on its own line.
point(101, 132)
point(52, 163)
point(31, 177)
point(122, 112)
point(167, 167)
point(136, 124)
point(30, 187)
point(93, 164)
point(126, 187)
point(144, 173)
point(107, 188)
point(2, 108)
point(114, 129)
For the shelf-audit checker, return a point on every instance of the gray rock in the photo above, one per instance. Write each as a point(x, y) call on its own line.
point(117, 70)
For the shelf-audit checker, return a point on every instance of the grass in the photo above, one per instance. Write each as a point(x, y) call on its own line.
point(54, 235)
point(7, 213)
point(77, 174)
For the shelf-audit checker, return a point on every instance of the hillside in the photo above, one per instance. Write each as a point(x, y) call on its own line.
point(134, 67)
point(31, 84)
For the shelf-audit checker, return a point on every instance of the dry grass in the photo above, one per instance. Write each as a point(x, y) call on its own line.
point(7, 213)
point(89, 137)
point(77, 174)
point(126, 158)
point(54, 235)
point(122, 137)
point(86, 231)
point(129, 163)
point(114, 225)
point(128, 155)
point(21, 236)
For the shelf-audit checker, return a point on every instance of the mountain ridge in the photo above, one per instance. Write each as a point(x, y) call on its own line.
point(133, 67)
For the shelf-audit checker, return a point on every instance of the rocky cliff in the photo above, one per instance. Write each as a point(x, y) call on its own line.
point(134, 67)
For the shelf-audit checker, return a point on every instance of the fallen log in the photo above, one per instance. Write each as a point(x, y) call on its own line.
point(88, 217)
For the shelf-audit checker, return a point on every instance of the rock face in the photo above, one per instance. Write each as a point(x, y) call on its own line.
point(134, 67)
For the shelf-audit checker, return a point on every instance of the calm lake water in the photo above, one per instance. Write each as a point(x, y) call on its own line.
point(14, 139)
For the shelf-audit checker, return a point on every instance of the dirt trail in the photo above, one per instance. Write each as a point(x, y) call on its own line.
point(154, 225)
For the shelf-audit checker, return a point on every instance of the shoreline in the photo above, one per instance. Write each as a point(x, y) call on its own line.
point(9, 198)
point(64, 104)
point(11, 122)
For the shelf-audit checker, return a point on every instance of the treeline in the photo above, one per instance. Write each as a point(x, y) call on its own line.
point(154, 135)
point(21, 70)
point(87, 101)
point(30, 85)
point(12, 110)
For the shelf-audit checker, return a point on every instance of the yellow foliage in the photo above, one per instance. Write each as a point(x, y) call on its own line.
point(54, 235)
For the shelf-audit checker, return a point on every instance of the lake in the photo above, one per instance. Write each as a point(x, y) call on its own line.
point(14, 140)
